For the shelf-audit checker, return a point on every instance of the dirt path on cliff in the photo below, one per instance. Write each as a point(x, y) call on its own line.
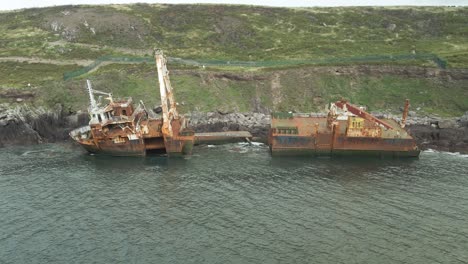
point(127, 51)
point(63, 62)
point(45, 61)
point(369, 70)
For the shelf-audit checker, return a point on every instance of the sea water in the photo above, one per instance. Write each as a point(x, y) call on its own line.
point(230, 204)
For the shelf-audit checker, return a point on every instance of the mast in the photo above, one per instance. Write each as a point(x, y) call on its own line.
point(92, 101)
point(405, 114)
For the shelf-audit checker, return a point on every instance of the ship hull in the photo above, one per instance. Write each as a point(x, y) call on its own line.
point(326, 145)
point(125, 145)
point(344, 152)
point(123, 149)
point(299, 135)
point(179, 147)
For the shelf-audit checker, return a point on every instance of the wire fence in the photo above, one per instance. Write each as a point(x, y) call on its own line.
point(266, 64)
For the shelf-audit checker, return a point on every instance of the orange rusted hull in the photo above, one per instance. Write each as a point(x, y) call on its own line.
point(127, 140)
point(316, 135)
point(222, 137)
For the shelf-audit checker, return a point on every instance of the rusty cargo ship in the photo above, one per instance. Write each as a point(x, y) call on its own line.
point(120, 129)
point(345, 130)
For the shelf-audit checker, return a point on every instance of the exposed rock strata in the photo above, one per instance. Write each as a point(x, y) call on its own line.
point(23, 125)
point(257, 124)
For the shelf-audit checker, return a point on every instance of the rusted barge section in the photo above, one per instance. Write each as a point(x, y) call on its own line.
point(345, 130)
point(215, 138)
point(120, 129)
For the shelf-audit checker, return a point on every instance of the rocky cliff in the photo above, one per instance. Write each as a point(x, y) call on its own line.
point(24, 125)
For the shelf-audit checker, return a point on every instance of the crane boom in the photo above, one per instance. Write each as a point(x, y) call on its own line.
point(168, 103)
point(361, 113)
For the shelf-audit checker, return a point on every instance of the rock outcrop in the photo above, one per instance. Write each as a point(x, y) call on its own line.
point(257, 124)
point(441, 134)
point(24, 125)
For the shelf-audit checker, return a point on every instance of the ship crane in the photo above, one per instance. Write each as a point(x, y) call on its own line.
point(168, 103)
point(361, 113)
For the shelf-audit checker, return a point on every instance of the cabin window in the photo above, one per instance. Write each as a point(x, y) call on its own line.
point(291, 131)
point(124, 112)
point(99, 118)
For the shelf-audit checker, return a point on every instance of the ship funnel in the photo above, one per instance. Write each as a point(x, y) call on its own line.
point(405, 114)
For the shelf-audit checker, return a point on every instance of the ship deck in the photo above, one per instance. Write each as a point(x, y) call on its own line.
point(306, 126)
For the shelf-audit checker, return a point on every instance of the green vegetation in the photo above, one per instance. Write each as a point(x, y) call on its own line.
point(236, 32)
point(281, 44)
point(20, 74)
point(300, 90)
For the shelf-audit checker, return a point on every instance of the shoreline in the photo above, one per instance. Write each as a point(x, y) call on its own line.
point(31, 126)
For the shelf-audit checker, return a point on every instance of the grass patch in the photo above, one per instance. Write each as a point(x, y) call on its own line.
point(20, 74)
point(301, 90)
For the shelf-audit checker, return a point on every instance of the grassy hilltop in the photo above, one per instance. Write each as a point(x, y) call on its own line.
point(39, 45)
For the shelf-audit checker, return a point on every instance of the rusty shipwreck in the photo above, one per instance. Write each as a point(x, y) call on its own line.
point(120, 129)
point(345, 130)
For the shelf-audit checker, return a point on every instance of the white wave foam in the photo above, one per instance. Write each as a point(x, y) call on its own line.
point(430, 151)
point(253, 143)
point(458, 154)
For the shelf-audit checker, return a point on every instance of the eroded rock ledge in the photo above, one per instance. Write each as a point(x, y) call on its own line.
point(25, 125)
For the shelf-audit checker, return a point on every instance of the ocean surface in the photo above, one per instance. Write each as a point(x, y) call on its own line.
point(230, 204)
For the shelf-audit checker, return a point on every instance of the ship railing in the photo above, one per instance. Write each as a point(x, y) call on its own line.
point(282, 115)
point(289, 115)
point(123, 101)
point(117, 119)
point(309, 115)
point(77, 133)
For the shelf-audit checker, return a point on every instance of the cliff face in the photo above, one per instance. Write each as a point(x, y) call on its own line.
point(454, 139)
point(29, 126)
